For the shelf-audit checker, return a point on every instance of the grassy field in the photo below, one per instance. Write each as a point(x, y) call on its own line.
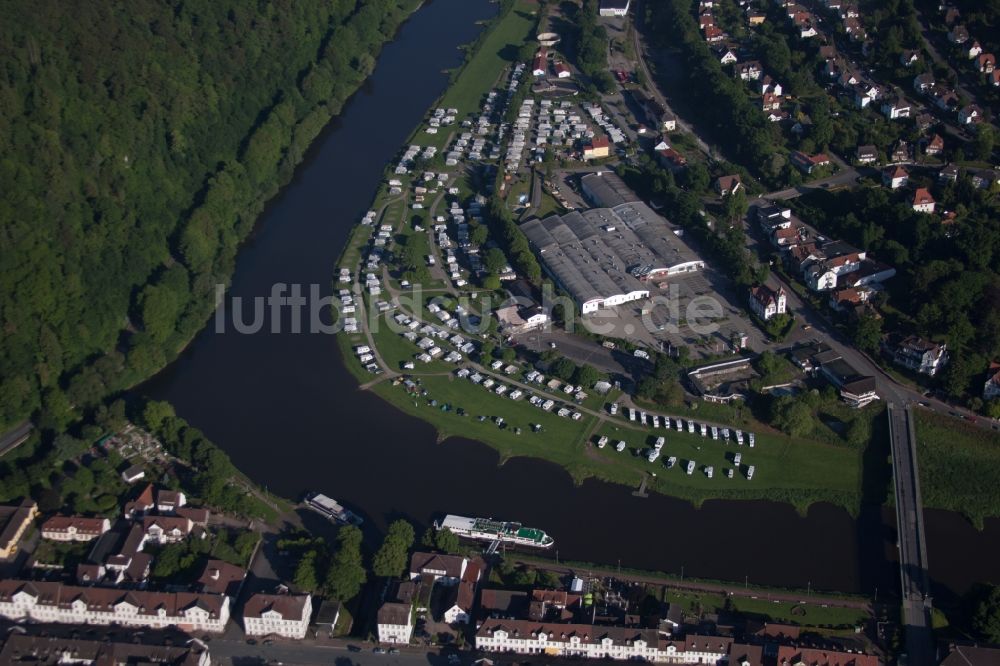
point(561, 439)
point(497, 51)
point(959, 466)
point(806, 615)
point(796, 471)
point(396, 350)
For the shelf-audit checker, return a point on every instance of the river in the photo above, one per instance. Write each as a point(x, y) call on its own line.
point(290, 415)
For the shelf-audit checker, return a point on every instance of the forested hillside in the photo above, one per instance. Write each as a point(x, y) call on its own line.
point(138, 142)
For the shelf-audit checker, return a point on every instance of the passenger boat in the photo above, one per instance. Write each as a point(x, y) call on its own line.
point(488, 529)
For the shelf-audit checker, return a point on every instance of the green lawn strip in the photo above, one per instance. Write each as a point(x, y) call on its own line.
point(803, 614)
point(959, 466)
point(801, 472)
point(481, 72)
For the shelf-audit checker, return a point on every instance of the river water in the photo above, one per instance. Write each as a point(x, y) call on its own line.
point(290, 415)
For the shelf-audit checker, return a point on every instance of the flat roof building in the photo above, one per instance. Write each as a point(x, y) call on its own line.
point(607, 256)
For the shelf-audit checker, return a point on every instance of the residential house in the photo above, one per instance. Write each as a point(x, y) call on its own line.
point(987, 62)
point(924, 83)
point(671, 159)
point(771, 217)
point(769, 85)
point(915, 353)
point(755, 17)
point(705, 19)
point(750, 70)
point(787, 236)
point(944, 98)
point(971, 655)
point(220, 577)
point(991, 389)
point(985, 179)
point(713, 35)
point(458, 607)
point(45, 650)
point(900, 152)
point(565, 640)
point(562, 70)
point(868, 273)
point(553, 605)
point(444, 569)
point(74, 528)
point(598, 147)
point(517, 319)
point(924, 121)
point(14, 522)
point(848, 298)
point(809, 163)
point(166, 529)
point(49, 602)
point(504, 603)
point(948, 173)
point(895, 109)
point(934, 145)
point(923, 202)
point(766, 302)
point(168, 501)
point(540, 65)
point(994, 78)
point(854, 29)
point(866, 154)
point(725, 54)
point(818, 276)
point(908, 58)
point(395, 623)
point(133, 474)
point(799, 255)
point(848, 79)
point(974, 50)
point(793, 655)
point(895, 177)
point(727, 184)
point(613, 7)
point(958, 35)
point(970, 114)
point(282, 615)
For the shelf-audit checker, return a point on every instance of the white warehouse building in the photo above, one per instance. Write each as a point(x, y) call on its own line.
point(604, 257)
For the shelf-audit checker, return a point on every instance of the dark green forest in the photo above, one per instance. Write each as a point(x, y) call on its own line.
point(138, 143)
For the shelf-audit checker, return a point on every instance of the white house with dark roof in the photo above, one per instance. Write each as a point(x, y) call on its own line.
point(395, 623)
point(284, 615)
point(766, 302)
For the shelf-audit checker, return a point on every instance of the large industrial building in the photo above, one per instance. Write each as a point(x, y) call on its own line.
point(610, 255)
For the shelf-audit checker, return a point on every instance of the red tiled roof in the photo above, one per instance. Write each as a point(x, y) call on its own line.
point(291, 606)
point(790, 655)
point(922, 196)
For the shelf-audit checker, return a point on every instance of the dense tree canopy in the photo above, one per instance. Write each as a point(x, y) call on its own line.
point(139, 142)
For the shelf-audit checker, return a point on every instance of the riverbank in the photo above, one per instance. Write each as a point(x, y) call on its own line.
point(798, 472)
point(807, 606)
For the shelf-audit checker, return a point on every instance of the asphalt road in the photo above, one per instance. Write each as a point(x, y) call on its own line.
point(14, 437)
point(298, 652)
point(910, 536)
